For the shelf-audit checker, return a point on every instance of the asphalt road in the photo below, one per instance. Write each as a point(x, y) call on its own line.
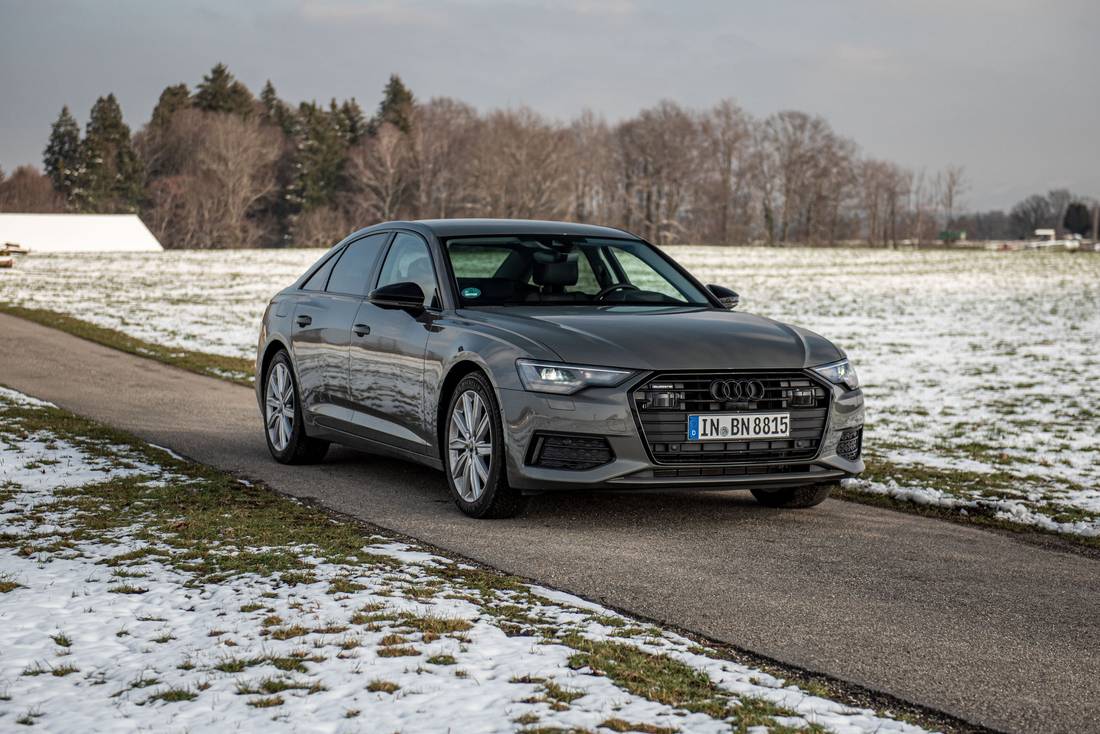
point(973, 623)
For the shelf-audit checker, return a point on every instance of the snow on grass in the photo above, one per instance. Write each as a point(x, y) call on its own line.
point(141, 592)
point(973, 362)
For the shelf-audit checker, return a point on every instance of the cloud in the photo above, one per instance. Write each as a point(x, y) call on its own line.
point(386, 12)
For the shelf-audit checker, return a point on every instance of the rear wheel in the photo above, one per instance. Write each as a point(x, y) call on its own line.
point(793, 497)
point(474, 452)
point(284, 427)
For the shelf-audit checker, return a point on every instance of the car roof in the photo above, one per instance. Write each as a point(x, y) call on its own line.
point(474, 227)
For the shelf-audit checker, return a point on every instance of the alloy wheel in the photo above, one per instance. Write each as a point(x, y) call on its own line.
point(470, 445)
point(279, 403)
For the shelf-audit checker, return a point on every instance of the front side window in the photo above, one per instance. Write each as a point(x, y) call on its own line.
point(352, 271)
point(409, 261)
point(582, 271)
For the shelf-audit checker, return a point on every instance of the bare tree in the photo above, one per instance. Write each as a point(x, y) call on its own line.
point(723, 200)
point(442, 137)
point(379, 169)
point(28, 190)
point(1031, 214)
point(521, 166)
point(952, 185)
point(211, 200)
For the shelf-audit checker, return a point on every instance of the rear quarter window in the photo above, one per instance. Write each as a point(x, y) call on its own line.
point(317, 281)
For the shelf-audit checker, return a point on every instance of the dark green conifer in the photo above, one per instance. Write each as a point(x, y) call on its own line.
point(110, 177)
point(61, 159)
point(219, 91)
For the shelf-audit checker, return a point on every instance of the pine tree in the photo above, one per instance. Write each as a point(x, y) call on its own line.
point(220, 92)
point(110, 176)
point(396, 105)
point(352, 122)
point(319, 158)
point(276, 111)
point(61, 159)
point(173, 99)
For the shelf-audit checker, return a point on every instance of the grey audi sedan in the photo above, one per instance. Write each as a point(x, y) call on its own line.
point(521, 356)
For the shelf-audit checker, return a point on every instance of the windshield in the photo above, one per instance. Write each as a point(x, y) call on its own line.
point(582, 271)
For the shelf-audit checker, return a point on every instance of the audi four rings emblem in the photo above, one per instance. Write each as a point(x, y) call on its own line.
point(737, 389)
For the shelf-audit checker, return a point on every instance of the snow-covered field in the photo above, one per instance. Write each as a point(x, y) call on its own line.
point(978, 366)
point(140, 593)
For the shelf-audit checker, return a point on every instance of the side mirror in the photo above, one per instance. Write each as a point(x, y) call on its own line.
point(406, 296)
point(728, 298)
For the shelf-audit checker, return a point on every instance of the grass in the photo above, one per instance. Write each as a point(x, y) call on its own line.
point(212, 526)
point(663, 680)
point(621, 725)
point(285, 663)
point(173, 695)
point(203, 522)
point(275, 685)
point(965, 485)
point(211, 365)
point(59, 671)
point(397, 651)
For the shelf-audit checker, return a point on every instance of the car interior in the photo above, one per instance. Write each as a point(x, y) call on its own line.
point(545, 272)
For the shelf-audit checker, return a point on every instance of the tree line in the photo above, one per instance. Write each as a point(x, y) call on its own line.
point(216, 166)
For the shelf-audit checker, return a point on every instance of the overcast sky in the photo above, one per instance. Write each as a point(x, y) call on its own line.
point(1006, 88)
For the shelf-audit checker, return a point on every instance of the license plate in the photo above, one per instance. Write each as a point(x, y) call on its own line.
point(734, 426)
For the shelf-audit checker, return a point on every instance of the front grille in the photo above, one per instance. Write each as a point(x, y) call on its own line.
point(569, 451)
point(850, 444)
point(663, 403)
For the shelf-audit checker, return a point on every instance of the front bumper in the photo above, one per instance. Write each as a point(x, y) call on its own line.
point(607, 413)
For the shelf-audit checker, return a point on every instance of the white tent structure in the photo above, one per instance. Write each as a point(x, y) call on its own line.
point(77, 233)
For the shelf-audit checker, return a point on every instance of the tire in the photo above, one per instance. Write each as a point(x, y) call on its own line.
point(284, 427)
point(473, 458)
point(793, 497)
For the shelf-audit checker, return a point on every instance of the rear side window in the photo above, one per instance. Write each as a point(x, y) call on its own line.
point(352, 271)
point(317, 281)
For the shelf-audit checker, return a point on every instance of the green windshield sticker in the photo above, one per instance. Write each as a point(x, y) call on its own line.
point(471, 292)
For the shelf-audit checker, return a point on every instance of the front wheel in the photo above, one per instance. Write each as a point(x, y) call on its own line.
point(284, 427)
point(793, 497)
point(474, 452)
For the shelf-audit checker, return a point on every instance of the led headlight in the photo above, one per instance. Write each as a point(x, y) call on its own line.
point(840, 373)
point(566, 379)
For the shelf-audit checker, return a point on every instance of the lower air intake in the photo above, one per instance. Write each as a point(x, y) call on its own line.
point(569, 451)
point(850, 444)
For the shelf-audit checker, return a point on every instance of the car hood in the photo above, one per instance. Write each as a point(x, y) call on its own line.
point(662, 338)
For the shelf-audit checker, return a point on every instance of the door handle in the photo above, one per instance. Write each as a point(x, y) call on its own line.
point(305, 320)
point(361, 329)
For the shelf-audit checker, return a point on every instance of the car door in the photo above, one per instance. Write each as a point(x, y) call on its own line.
point(386, 379)
point(321, 329)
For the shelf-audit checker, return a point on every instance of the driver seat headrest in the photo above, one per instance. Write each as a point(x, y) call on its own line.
point(555, 269)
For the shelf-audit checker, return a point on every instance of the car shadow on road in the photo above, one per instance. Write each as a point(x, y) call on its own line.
point(385, 478)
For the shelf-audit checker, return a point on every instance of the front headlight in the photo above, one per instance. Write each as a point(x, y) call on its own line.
point(566, 379)
point(840, 373)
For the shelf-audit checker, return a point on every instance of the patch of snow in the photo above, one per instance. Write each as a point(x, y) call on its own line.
point(20, 399)
point(217, 642)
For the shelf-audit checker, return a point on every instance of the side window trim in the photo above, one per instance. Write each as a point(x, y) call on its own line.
point(328, 262)
point(431, 260)
point(374, 265)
